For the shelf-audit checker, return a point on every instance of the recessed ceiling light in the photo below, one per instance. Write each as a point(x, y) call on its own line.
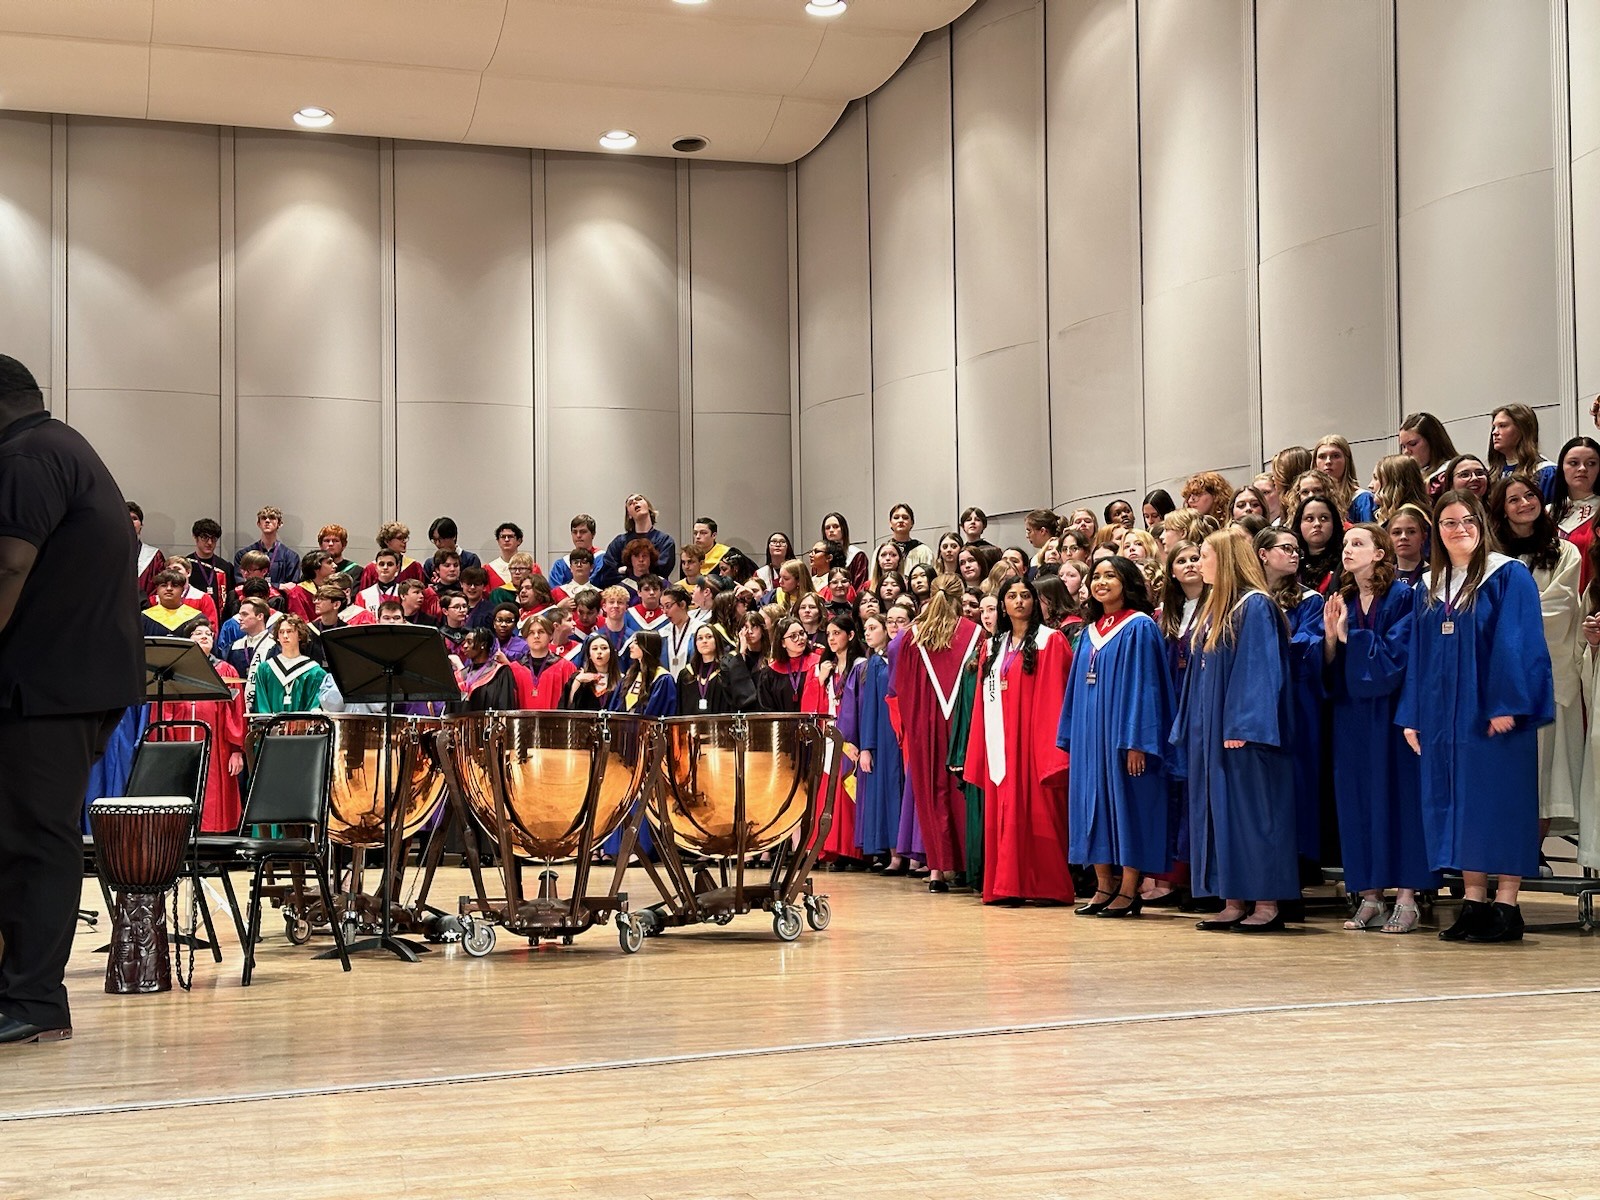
point(688, 1)
point(313, 117)
point(826, 8)
point(618, 139)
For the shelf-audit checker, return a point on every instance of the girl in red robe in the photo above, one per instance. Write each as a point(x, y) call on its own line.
point(824, 694)
point(922, 695)
point(1012, 754)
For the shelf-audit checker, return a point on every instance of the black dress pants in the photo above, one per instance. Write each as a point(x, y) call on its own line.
point(44, 772)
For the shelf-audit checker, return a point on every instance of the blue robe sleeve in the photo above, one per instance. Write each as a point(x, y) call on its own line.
point(850, 704)
point(1363, 508)
point(666, 552)
point(1375, 659)
point(1306, 633)
point(663, 698)
point(1147, 711)
point(1252, 707)
point(1068, 702)
point(1547, 482)
point(1406, 712)
point(560, 573)
point(1517, 680)
point(867, 733)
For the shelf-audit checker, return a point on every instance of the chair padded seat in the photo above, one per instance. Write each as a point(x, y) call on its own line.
point(261, 847)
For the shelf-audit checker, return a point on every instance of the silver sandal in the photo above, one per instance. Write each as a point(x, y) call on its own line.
point(1403, 919)
point(1368, 915)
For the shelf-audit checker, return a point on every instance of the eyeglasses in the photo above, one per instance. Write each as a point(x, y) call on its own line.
point(1290, 549)
point(1451, 525)
point(794, 635)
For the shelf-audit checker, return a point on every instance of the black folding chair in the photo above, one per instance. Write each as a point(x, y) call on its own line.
point(289, 789)
point(170, 768)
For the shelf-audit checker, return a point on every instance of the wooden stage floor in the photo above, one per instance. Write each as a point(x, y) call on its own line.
point(923, 1046)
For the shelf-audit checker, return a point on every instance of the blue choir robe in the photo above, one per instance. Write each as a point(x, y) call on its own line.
point(1377, 785)
point(1178, 653)
point(1308, 694)
point(1241, 808)
point(1363, 508)
point(109, 776)
point(878, 790)
point(1112, 816)
point(1480, 794)
point(661, 700)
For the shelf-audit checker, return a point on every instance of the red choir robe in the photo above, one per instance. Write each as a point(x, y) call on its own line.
point(226, 720)
point(924, 687)
point(410, 568)
point(824, 698)
point(1012, 755)
point(551, 687)
point(299, 599)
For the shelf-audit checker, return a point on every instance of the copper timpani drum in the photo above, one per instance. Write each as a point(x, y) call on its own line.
point(562, 775)
point(139, 843)
point(356, 803)
point(550, 787)
point(732, 787)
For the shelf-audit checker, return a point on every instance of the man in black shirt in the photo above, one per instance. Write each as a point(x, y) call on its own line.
point(62, 520)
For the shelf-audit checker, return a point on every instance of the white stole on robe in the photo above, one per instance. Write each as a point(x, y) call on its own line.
point(994, 729)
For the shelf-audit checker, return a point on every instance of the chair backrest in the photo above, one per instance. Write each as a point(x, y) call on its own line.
point(290, 783)
point(168, 769)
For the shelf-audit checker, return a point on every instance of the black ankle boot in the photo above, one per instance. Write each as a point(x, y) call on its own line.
point(1473, 918)
point(1503, 924)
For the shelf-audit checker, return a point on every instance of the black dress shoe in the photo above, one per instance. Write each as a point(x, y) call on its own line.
point(1005, 902)
point(1093, 908)
point(1176, 898)
point(918, 873)
point(1503, 924)
point(902, 869)
point(1473, 917)
point(1213, 926)
point(938, 886)
point(1201, 904)
point(1127, 910)
point(16, 1033)
point(1275, 925)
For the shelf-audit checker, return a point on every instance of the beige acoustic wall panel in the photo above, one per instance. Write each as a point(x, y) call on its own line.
point(1096, 395)
point(612, 337)
point(912, 225)
point(309, 311)
point(1199, 246)
point(464, 339)
point(143, 305)
point(25, 244)
point(1583, 52)
point(835, 325)
point(1002, 397)
point(1479, 289)
point(1326, 356)
point(739, 321)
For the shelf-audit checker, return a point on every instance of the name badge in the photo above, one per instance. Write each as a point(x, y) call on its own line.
point(702, 705)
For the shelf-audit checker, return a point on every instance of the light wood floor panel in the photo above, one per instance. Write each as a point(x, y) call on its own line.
point(1372, 1095)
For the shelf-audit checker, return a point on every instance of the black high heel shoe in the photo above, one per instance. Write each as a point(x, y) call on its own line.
point(1131, 909)
point(1273, 925)
point(1211, 925)
point(1094, 907)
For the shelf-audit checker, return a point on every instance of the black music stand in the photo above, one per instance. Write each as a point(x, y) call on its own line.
point(379, 664)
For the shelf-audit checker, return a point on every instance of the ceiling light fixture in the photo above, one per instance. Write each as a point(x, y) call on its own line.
point(688, 2)
point(313, 117)
point(618, 139)
point(826, 8)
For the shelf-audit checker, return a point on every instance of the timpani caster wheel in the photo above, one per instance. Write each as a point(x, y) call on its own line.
point(630, 934)
point(297, 929)
point(819, 913)
point(786, 922)
point(479, 939)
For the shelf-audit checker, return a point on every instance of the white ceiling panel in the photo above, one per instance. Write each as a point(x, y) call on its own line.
point(759, 79)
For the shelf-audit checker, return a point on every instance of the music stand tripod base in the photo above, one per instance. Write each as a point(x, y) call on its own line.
point(373, 664)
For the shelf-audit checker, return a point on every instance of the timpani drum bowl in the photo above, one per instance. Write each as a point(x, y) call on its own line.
point(139, 843)
point(559, 774)
point(739, 785)
point(356, 803)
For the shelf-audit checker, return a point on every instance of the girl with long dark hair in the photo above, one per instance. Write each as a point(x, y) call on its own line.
point(1573, 504)
point(1012, 754)
point(1320, 534)
point(1115, 718)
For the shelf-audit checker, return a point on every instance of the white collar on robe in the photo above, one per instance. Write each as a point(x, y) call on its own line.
point(994, 729)
point(1459, 578)
point(948, 702)
point(1098, 641)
